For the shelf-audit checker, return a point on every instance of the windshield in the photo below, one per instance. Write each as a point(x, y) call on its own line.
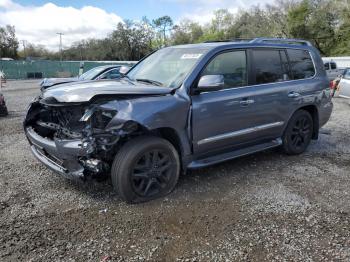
point(167, 67)
point(92, 73)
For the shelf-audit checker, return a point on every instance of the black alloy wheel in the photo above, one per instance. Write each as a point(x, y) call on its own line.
point(151, 173)
point(298, 133)
point(145, 168)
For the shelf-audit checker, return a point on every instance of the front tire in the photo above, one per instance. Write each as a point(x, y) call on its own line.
point(145, 168)
point(298, 133)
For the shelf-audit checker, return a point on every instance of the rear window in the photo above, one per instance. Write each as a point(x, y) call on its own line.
point(301, 64)
point(333, 65)
point(270, 66)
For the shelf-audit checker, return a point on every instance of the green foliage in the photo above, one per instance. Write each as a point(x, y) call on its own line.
point(297, 20)
point(326, 23)
point(186, 32)
point(316, 21)
point(8, 42)
point(162, 26)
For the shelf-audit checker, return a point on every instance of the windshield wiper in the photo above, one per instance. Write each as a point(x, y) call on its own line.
point(153, 82)
point(127, 78)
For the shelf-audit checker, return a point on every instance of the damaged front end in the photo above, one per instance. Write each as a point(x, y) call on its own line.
point(74, 139)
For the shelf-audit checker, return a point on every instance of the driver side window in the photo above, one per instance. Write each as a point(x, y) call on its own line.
point(232, 65)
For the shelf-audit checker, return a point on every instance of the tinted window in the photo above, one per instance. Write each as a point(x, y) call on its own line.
point(112, 74)
point(285, 66)
point(270, 66)
point(326, 66)
point(333, 65)
point(232, 65)
point(301, 64)
point(347, 74)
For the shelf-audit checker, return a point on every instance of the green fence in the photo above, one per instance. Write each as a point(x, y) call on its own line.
point(43, 69)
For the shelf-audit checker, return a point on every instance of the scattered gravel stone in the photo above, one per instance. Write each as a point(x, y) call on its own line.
point(263, 207)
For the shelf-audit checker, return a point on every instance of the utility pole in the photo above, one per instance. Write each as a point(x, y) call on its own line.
point(24, 48)
point(60, 34)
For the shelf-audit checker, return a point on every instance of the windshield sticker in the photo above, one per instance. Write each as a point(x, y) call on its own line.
point(191, 56)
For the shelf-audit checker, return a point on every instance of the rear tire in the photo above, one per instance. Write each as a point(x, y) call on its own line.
point(145, 168)
point(298, 134)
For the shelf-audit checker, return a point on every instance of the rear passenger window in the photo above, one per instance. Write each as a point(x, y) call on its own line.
point(270, 66)
point(301, 64)
point(326, 66)
point(333, 65)
point(232, 65)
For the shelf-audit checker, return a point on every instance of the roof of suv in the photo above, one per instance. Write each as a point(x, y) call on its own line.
point(251, 42)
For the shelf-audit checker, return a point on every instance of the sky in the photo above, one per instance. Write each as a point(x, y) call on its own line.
point(38, 21)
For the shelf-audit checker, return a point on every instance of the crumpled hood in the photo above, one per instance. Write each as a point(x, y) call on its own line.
point(85, 91)
point(47, 82)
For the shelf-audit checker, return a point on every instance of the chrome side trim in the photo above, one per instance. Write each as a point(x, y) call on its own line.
point(239, 133)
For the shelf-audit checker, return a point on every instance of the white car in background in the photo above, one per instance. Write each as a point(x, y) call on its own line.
point(332, 69)
point(344, 84)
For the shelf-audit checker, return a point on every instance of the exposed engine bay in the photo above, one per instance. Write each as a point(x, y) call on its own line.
point(75, 137)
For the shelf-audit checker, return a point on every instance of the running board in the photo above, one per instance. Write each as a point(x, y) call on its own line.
point(234, 154)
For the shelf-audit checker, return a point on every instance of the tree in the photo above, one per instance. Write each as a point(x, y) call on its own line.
point(314, 20)
point(297, 20)
point(253, 23)
point(342, 35)
point(325, 23)
point(8, 42)
point(35, 51)
point(163, 25)
point(186, 32)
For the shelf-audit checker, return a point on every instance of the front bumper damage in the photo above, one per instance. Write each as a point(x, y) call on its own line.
point(61, 156)
point(76, 150)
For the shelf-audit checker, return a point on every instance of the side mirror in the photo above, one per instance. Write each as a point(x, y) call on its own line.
point(210, 83)
point(123, 70)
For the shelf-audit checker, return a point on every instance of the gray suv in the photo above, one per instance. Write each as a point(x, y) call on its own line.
point(182, 107)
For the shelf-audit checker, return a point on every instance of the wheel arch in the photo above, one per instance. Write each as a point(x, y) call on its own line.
point(313, 111)
point(172, 136)
point(177, 138)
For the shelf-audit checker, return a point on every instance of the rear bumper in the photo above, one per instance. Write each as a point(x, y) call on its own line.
point(325, 113)
point(61, 156)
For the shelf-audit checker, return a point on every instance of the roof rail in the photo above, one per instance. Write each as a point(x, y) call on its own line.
point(230, 40)
point(280, 40)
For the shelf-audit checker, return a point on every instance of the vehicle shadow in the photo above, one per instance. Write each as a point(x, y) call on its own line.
point(213, 179)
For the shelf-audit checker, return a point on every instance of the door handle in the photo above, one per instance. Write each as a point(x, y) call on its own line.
point(293, 94)
point(247, 102)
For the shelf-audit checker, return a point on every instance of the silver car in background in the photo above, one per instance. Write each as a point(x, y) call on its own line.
point(344, 84)
point(97, 73)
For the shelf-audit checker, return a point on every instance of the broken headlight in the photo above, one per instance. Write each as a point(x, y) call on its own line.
point(99, 117)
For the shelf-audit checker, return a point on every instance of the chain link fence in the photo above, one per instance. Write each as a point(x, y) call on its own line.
point(46, 69)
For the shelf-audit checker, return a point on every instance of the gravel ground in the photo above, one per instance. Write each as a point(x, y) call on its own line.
point(264, 207)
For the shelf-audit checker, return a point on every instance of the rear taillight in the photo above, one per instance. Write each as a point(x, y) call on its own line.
point(331, 84)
